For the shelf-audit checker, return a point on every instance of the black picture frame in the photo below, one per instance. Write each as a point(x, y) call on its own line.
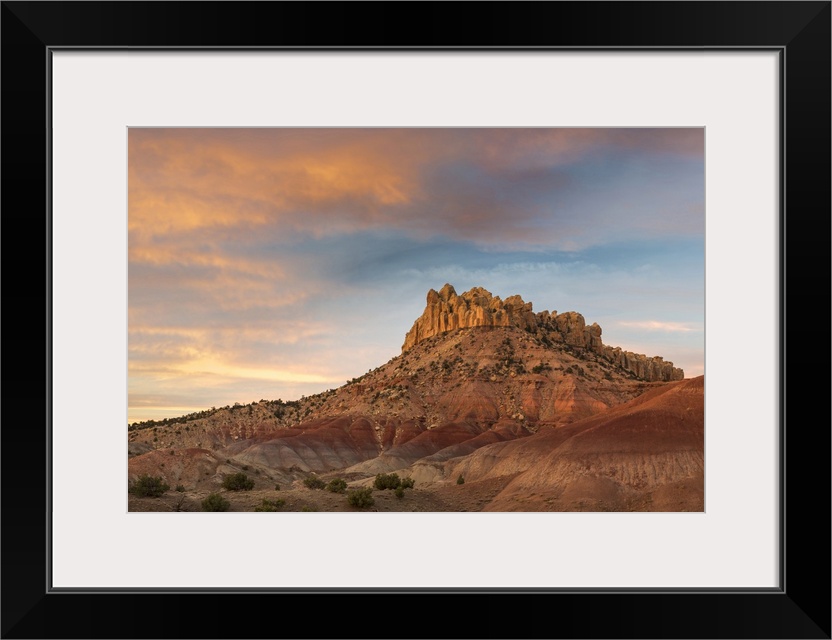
point(799, 31)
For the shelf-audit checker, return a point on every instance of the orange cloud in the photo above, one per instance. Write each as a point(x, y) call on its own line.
point(182, 180)
point(339, 179)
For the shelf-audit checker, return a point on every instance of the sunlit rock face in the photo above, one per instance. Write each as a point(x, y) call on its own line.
point(446, 311)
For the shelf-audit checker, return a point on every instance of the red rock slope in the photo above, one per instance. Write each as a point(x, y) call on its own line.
point(647, 454)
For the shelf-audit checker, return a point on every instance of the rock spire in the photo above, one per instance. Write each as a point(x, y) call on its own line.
point(446, 311)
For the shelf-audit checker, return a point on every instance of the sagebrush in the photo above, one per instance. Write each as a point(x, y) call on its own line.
point(361, 498)
point(238, 482)
point(147, 486)
point(215, 502)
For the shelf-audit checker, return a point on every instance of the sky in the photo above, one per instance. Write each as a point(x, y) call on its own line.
point(276, 263)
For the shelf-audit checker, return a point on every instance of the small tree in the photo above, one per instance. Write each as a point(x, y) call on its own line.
point(360, 498)
point(215, 502)
point(270, 505)
point(400, 492)
point(238, 482)
point(387, 481)
point(149, 486)
point(314, 482)
point(337, 485)
point(407, 483)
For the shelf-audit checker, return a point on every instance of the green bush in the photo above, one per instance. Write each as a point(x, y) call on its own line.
point(387, 481)
point(238, 482)
point(460, 479)
point(215, 502)
point(407, 483)
point(400, 492)
point(277, 487)
point(149, 486)
point(337, 485)
point(360, 498)
point(180, 488)
point(270, 505)
point(314, 482)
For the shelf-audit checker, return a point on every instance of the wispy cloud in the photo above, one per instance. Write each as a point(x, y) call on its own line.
point(656, 325)
point(216, 367)
point(483, 185)
point(282, 261)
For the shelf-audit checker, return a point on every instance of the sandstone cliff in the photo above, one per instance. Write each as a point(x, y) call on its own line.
point(446, 311)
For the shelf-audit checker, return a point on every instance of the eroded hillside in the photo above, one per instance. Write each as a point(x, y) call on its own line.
point(537, 410)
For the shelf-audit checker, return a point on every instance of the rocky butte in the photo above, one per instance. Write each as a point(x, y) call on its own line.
point(491, 407)
point(446, 311)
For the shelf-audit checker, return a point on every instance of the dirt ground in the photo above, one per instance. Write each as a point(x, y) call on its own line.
point(440, 497)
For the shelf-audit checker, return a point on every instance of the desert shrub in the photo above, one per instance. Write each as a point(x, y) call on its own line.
point(149, 486)
point(179, 505)
point(215, 502)
point(270, 505)
point(460, 479)
point(400, 492)
point(238, 482)
point(277, 487)
point(180, 488)
point(308, 509)
point(407, 483)
point(361, 498)
point(314, 482)
point(387, 481)
point(337, 485)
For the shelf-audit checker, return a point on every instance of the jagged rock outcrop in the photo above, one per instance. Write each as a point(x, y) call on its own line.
point(446, 311)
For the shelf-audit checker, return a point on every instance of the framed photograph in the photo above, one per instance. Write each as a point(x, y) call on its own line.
point(148, 144)
point(335, 242)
